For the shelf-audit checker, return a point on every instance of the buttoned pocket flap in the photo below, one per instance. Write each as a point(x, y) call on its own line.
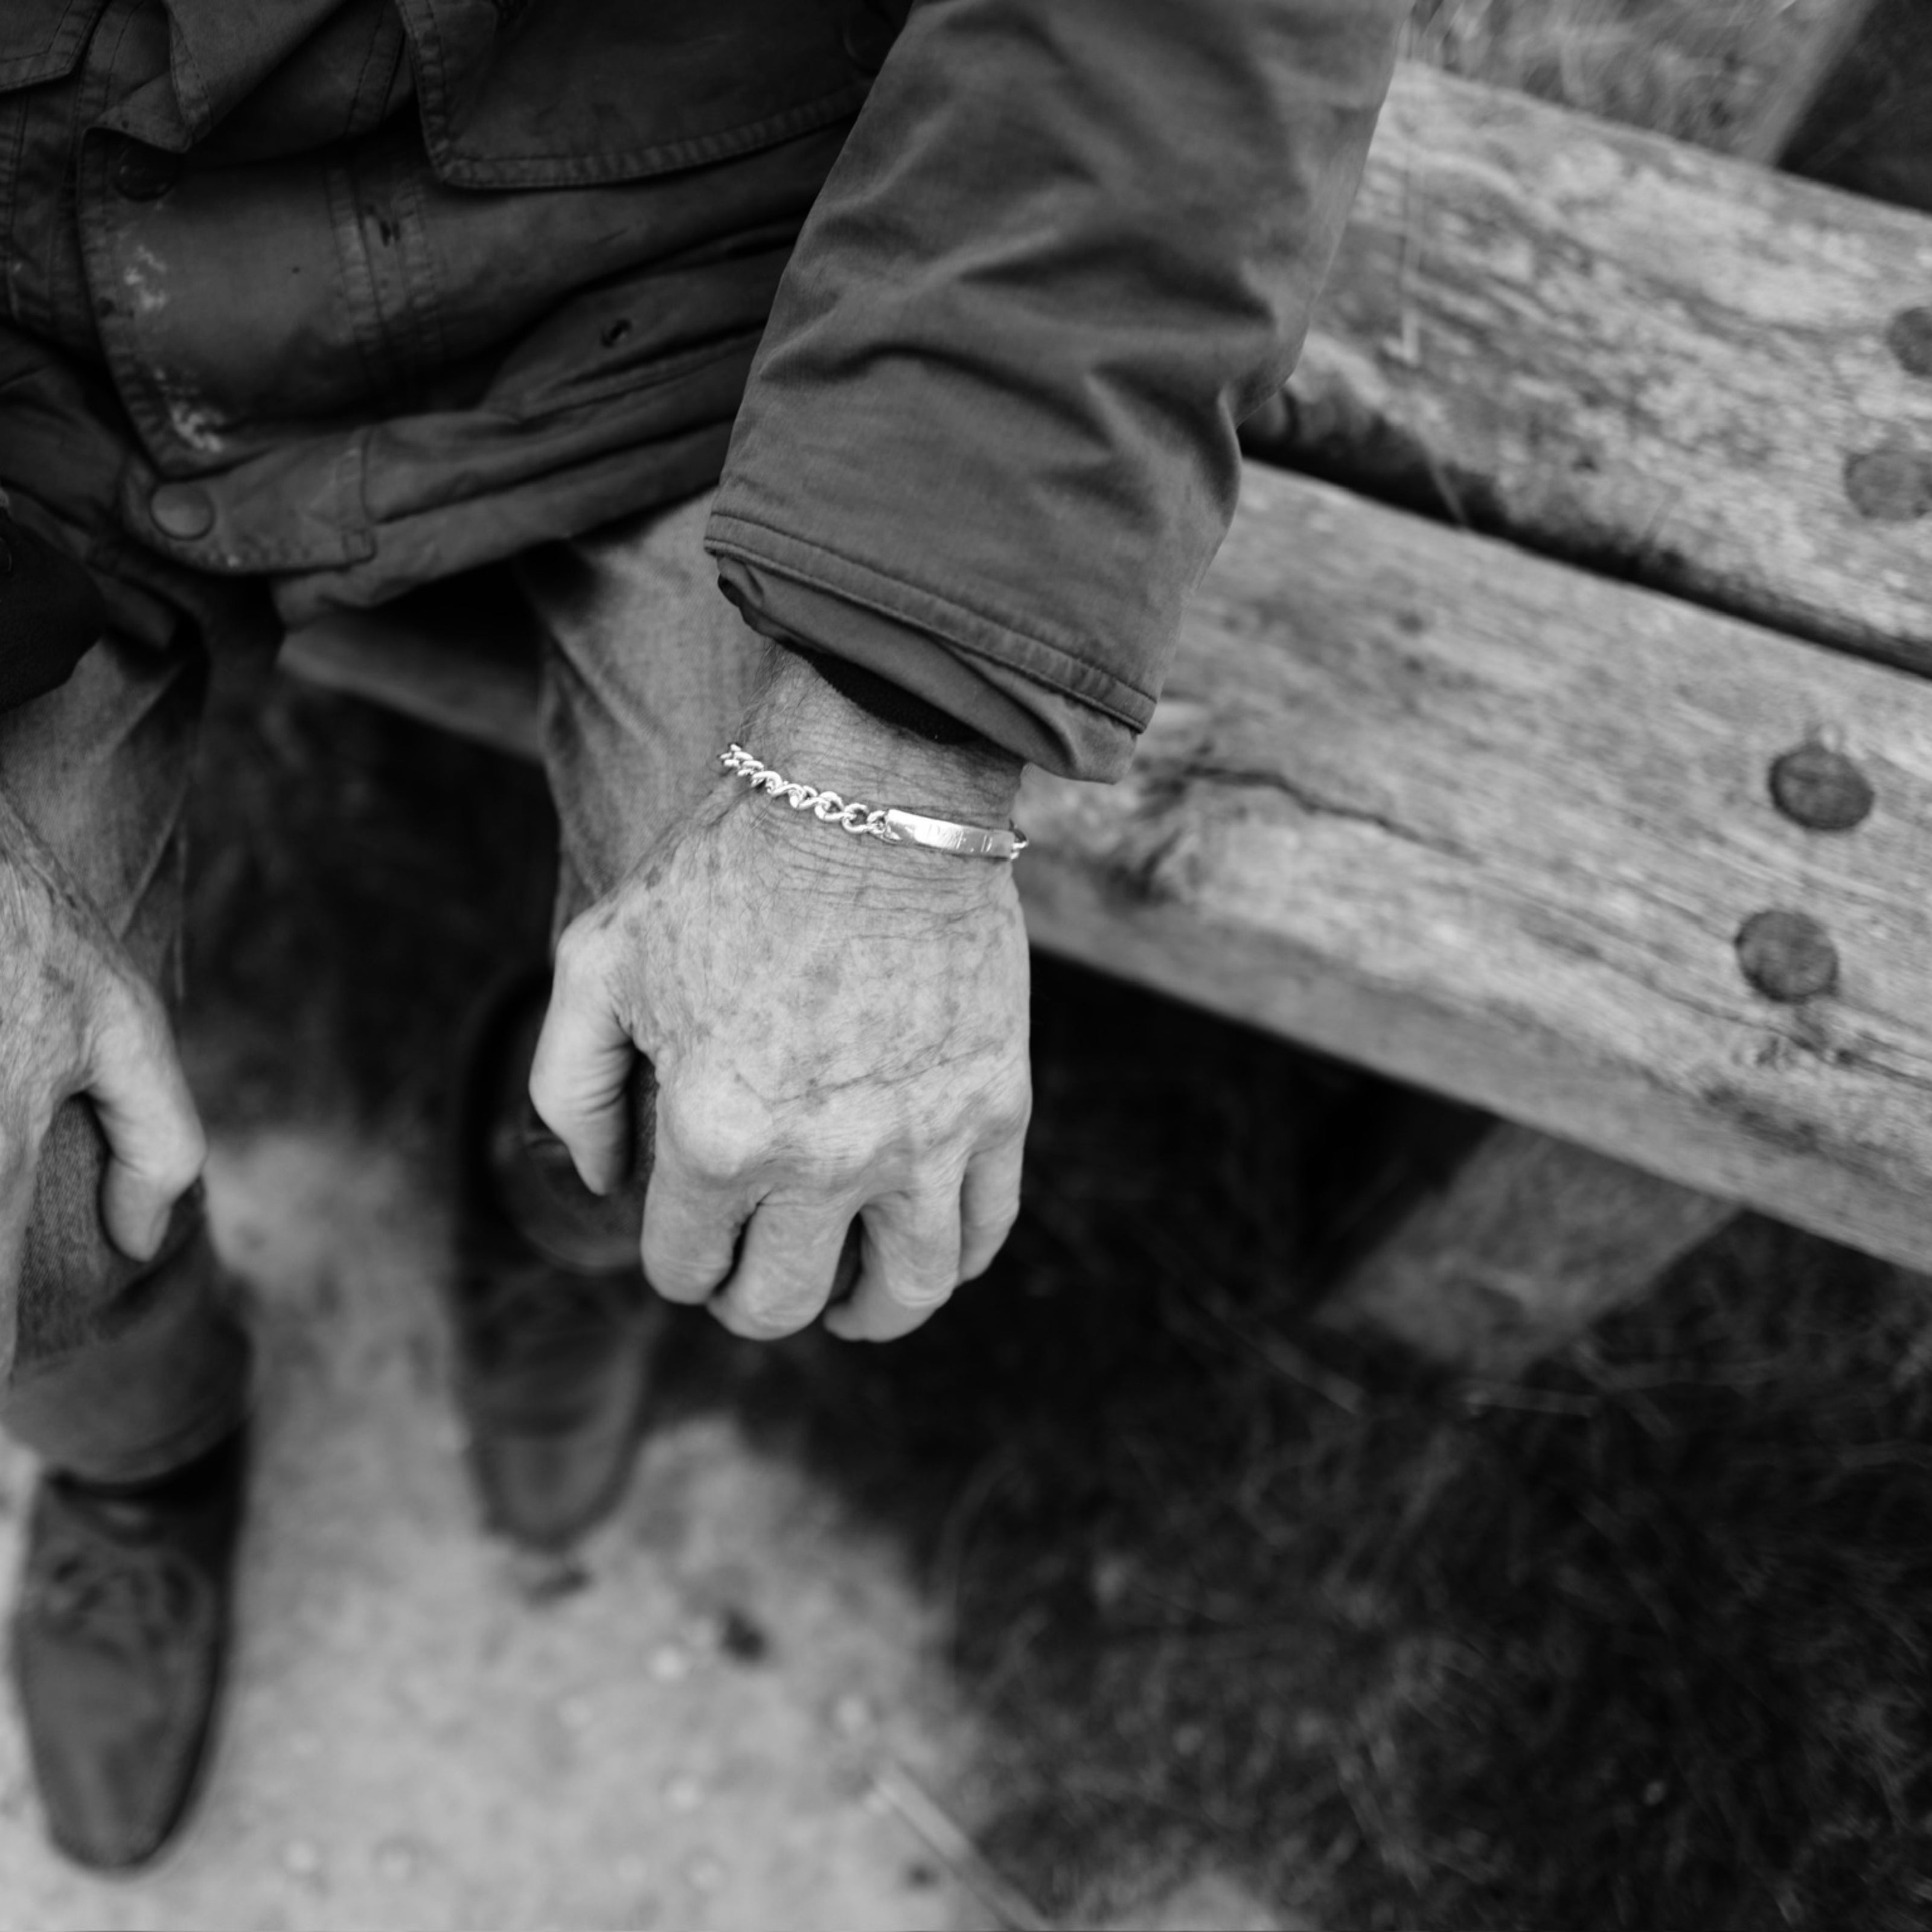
point(571, 93)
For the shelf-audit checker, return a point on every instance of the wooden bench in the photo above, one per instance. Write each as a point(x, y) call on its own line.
point(1555, 734)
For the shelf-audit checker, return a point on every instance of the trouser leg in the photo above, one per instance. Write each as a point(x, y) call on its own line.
point(122, 1371)
point(647, 673)
point(553, 1333)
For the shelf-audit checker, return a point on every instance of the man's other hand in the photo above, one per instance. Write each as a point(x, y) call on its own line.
point(77, 1018)
point(837, 1027)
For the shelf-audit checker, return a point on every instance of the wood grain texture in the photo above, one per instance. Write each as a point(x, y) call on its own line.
point(1491, 824)
point(1635, 355)
point(1532, 1240)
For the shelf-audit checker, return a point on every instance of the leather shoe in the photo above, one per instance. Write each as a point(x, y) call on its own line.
point(120, 1639)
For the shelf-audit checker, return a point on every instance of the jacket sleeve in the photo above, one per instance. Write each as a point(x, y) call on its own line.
point(988, 448)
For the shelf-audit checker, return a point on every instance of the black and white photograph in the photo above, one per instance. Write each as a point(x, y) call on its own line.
point(966, 965)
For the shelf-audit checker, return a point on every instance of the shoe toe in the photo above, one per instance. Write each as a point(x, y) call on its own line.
point(116, 1738)
point(545, 1487)
point(552, 1445)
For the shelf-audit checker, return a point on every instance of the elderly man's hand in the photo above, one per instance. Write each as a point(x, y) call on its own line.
point(838, 1027)
point(76, 1017)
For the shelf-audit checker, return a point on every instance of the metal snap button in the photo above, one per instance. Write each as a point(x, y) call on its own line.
point(182, 511)
point(144, 173)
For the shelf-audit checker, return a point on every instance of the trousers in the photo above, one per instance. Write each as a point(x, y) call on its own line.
point(123, 1372)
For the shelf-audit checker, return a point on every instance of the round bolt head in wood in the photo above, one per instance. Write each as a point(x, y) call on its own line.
point(1909, 338)
point(1892, 483)
point(1788, 956)
point(1821, 789)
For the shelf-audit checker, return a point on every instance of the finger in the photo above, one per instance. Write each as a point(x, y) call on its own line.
point(785, 1270)
point(692, 1222)
point(156, 1146)
point(911, 1266)
point(578, 1073)
point(989, 1204)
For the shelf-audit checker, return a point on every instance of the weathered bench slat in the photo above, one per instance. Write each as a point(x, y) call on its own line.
point(1490, 824)
point(1637, 354)
point(1535, 1237)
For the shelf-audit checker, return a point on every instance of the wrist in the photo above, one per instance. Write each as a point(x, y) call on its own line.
point(804, 726)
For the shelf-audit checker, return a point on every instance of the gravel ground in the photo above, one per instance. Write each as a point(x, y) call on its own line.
point(680, 1729)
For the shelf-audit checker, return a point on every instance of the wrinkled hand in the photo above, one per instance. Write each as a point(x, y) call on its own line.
point(837, 1027)
point(77, 1017)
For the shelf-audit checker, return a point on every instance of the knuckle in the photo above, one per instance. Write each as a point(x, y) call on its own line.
point(576, 961)
point(716, 1154)
point(1005, 1114)
point(717, 1144)
point(123, 1016)
point(932, 1165)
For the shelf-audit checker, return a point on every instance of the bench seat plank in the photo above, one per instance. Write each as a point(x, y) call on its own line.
point(1636, 354)
point(1491, 824)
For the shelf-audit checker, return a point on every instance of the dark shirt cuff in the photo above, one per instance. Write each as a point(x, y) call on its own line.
point(1029, 720)
point(891, 703)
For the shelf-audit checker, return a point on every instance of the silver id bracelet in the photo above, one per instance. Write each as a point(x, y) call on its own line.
point(887, 823)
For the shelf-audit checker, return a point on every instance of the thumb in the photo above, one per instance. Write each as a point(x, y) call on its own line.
point(580, 1072)
point(156, 1146)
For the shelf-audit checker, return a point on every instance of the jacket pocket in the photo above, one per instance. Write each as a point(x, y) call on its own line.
point(572, 93)
point(41, 39)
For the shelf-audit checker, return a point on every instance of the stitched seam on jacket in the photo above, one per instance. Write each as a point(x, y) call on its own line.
point(35, 67)
point(578, 169)
point(182, 64)
point(620, 384)
point(875, 603)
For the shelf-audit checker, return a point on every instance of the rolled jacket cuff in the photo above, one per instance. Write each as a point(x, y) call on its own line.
point(795, 593)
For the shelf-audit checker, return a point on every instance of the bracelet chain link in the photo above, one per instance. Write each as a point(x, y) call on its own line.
point(888, 823)
point(862, 821)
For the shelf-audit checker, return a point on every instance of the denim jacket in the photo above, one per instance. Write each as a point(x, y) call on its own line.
point(316, 301)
